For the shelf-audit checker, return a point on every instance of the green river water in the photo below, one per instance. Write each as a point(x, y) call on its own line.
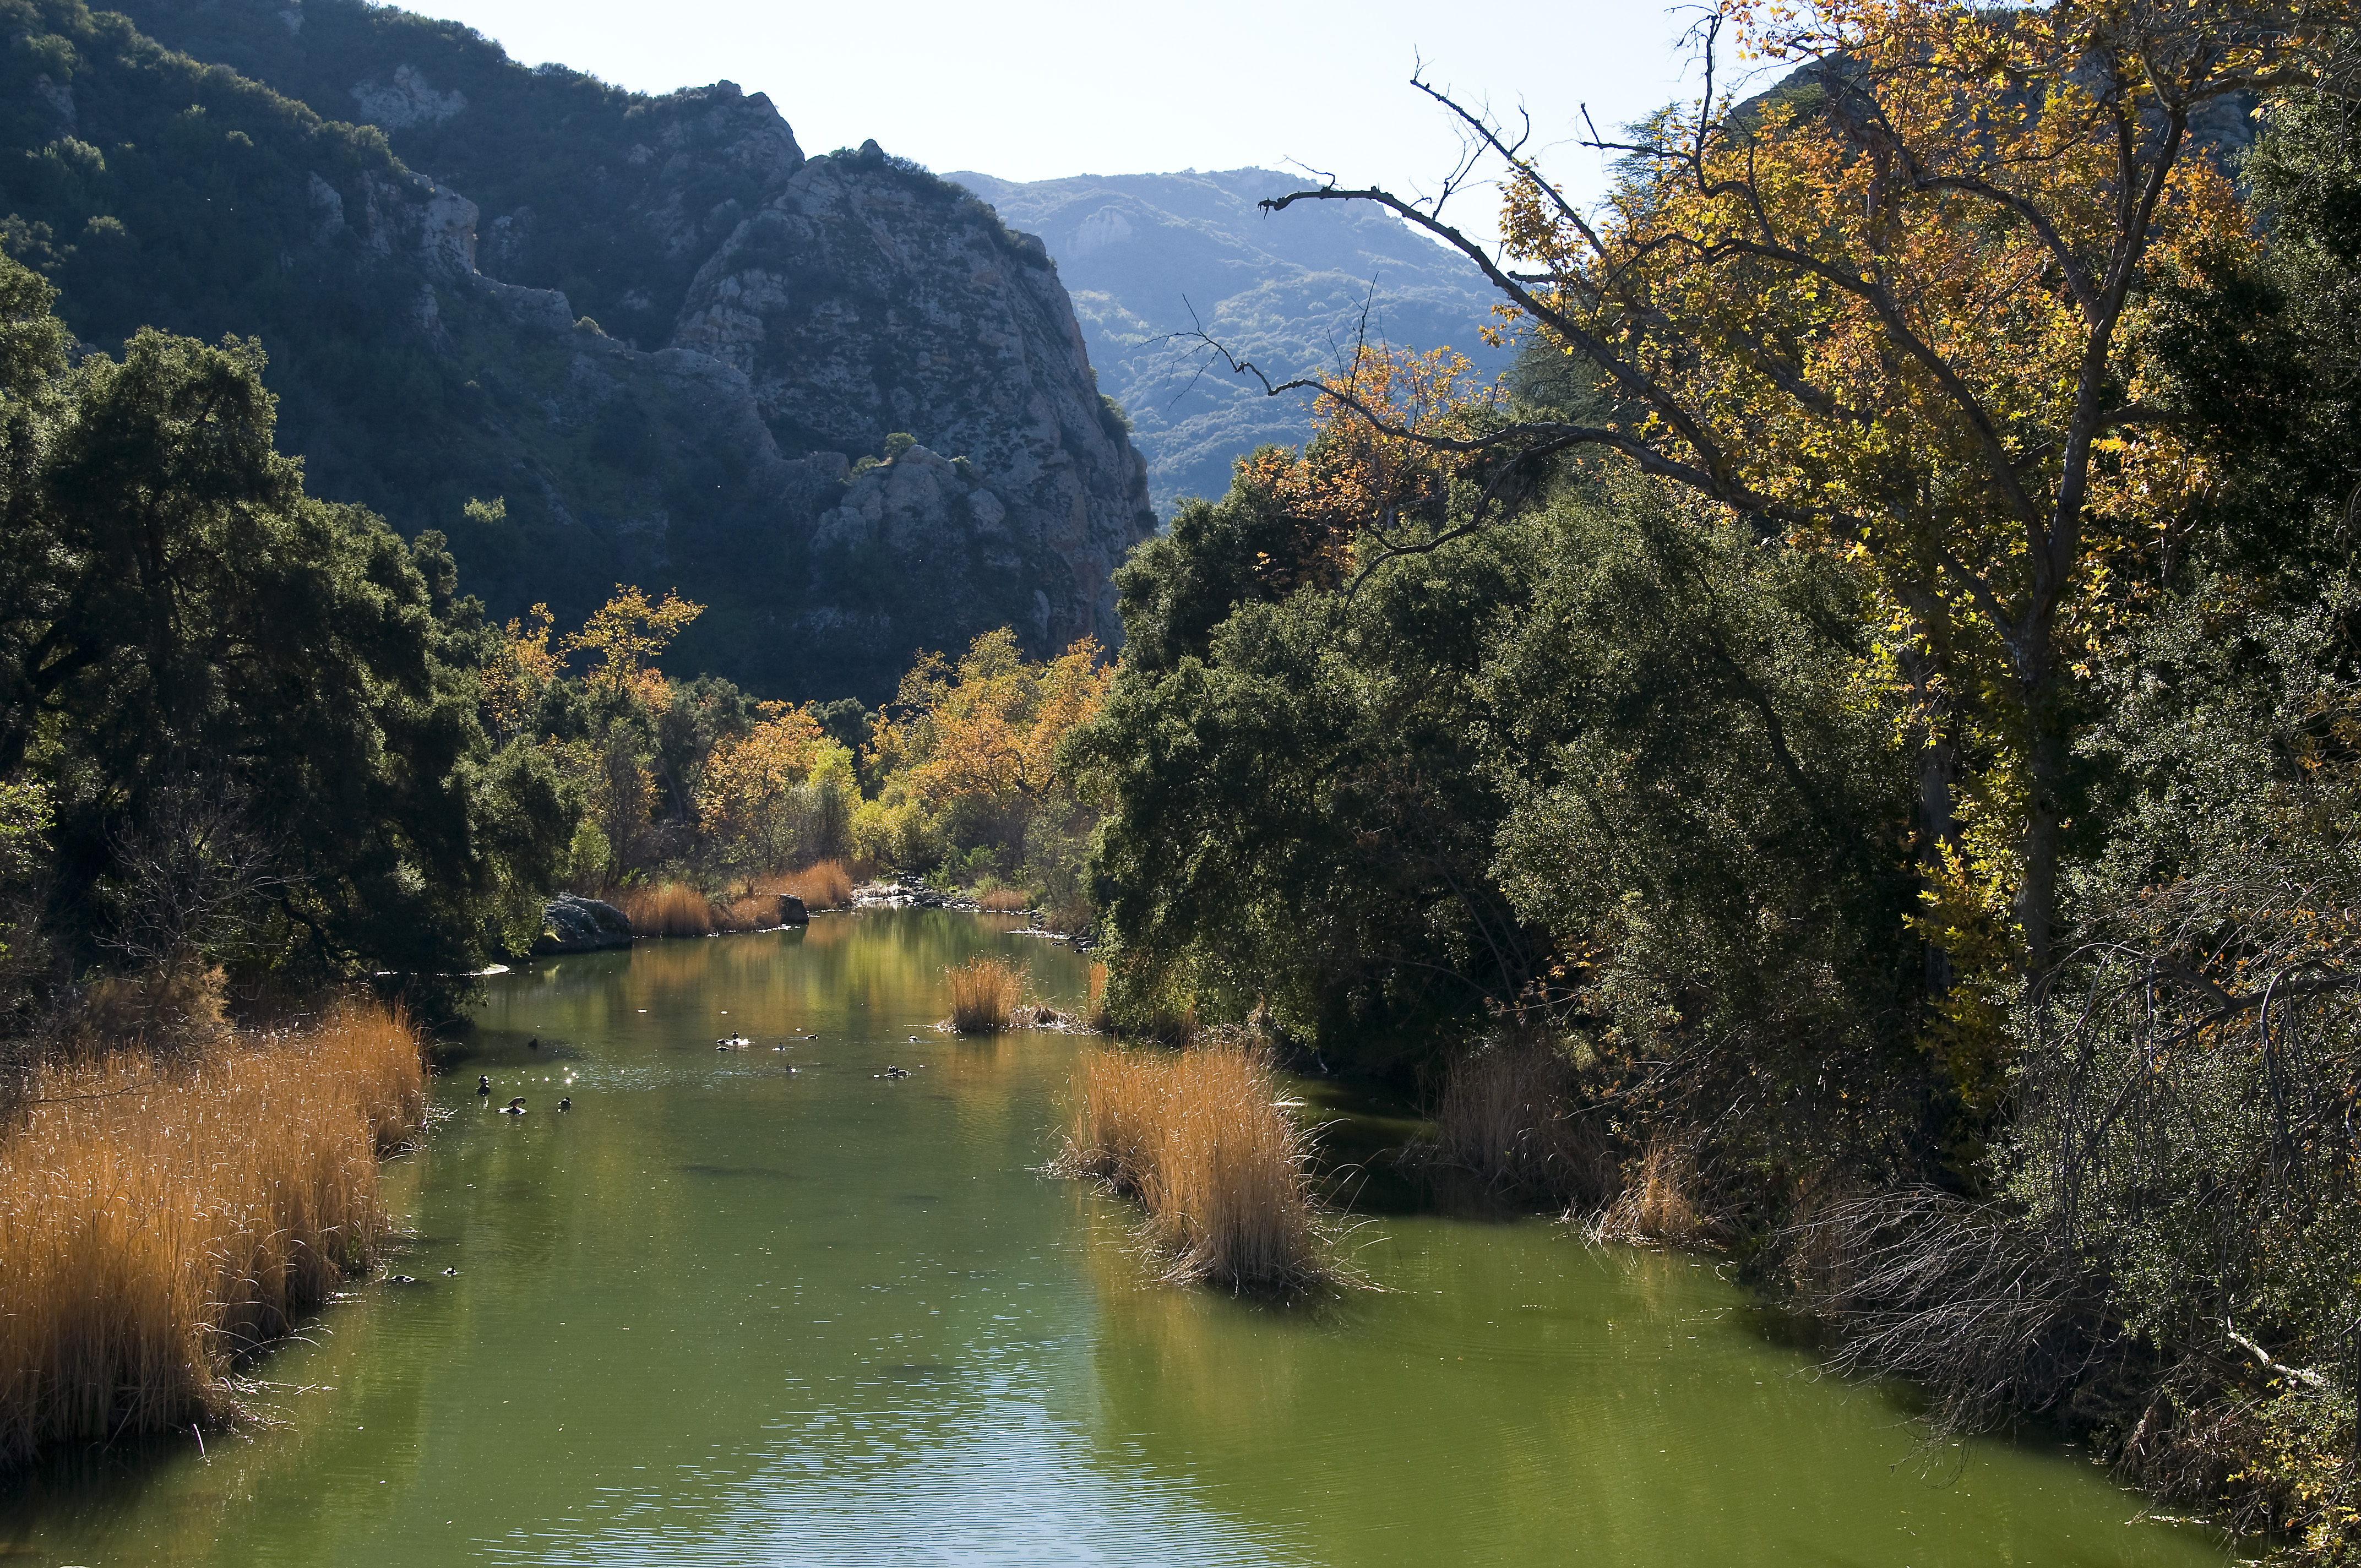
point(724, 1313)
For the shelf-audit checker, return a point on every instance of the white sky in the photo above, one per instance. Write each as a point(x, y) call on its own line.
point(1038, 89)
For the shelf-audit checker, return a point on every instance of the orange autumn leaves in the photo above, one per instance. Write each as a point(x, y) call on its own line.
point(755, 790)
point(988, 727)
point(1366, 467)
point(1885, 304)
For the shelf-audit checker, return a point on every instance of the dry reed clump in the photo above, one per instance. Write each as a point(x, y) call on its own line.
point(1096, 1016)
point(1003, 901)
point(754, 912)
point(1507, 1117)
point(825, 885)
point(1656, 1207)
point(155, 1221)
point(1198, 1137)
point(983, 995)
point(168, 1008)
point(672, 910)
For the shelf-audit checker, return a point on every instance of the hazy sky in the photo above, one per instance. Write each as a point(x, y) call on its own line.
point(1034, 91)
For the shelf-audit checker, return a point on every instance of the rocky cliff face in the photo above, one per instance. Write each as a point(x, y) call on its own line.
point(868, 298)
point(671, 345)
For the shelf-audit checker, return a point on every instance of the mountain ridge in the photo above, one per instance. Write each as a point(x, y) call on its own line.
point(1151, 260)
point(431, 348)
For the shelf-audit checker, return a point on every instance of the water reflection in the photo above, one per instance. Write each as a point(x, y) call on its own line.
point(727, 1311)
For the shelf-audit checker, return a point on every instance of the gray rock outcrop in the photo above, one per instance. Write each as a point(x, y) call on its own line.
point(676, 349)
point(570, 924)
point(868, 298)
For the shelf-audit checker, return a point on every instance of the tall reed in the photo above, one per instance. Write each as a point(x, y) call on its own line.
point(1658, 1206)
point(672, 910)
point(155, 1221)
point(1094, 1012)
point(824, 884)
point(1507, 1116)
point(755, 912)
point(983, 995)
point(1223, 1172)
point(1004, 900)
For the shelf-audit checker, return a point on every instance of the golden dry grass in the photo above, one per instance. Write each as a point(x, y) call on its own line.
point(1003, 901)
point(155, 1221)
point(1505, 1116)
point(1223, 1172)
point(825, 884)
point(983, 995)
point(754, 912)
point(1094, 1012)
point(1657, 1208)
point(672, 910)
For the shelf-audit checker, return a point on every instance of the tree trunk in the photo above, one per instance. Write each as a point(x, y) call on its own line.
point(1936, 740)
point(2036, 898)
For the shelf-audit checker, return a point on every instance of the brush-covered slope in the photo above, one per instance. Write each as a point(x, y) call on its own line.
point(650, 329)
point(1149, 256)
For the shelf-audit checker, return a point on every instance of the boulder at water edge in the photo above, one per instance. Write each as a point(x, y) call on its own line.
point(573, 924)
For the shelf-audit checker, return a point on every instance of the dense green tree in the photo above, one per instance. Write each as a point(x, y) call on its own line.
point(1296, 815)
point(183, 618)
point(1250, 547)
point(1708, 808)
point(697, 714)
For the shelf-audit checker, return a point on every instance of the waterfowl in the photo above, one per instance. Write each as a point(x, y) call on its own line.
point(533, 1044)
point(567, 1103)
point(892, 1071)
point(484, 1083)
point(733, 1043)
point(514, 1107)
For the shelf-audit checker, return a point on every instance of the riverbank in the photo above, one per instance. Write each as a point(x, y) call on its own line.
point(722, 1310)
point(160, 1220)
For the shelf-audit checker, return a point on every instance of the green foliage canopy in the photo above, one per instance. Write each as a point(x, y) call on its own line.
point(180, 613)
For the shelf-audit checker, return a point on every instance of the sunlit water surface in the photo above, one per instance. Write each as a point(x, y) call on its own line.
point(721, 1312)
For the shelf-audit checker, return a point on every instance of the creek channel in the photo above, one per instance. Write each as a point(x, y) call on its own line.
point(723, 1312)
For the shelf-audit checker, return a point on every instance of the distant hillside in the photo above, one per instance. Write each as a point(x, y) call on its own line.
point(1138, 252)
point(668, 344)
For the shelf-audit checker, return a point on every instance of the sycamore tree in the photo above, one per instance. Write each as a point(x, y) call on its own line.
point(1895, 310)
point(627, 697)
point(968, 755)
point(624, 635)
point(778, 794)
